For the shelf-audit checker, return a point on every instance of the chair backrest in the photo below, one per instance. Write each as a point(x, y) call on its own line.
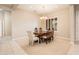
point(30, 36)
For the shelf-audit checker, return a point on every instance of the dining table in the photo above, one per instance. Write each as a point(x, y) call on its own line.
point(44, 35)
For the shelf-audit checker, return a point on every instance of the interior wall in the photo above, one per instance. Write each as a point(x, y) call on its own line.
point(0, 24)
point(77, 22)
point(42, 24)
point(63, 16)
point(72, 23)
point(23, 21)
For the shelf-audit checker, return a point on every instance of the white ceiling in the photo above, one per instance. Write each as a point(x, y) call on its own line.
point(8, 6)
point(42, 9)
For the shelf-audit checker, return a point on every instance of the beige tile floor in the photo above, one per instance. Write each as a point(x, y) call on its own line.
point(10, 47)
point(74, 50)
point(57, 47)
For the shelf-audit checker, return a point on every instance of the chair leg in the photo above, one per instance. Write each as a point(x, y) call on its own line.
point(52, 38)
point(46, 41)
point(40, 40)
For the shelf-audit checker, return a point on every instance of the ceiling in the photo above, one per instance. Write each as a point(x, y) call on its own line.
point(42, 9)
point(8, 6)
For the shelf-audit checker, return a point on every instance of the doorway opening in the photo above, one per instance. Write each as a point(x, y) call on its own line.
point(5, 23)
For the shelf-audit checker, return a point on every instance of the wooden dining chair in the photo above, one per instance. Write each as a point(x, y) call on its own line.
point(52, 35)
point(48, 37)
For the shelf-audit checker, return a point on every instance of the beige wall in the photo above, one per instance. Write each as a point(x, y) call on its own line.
point(63, 27)
point(42, 24)
point(63, 16)
point(23, 21)
point(0, 24)
point(77, 22)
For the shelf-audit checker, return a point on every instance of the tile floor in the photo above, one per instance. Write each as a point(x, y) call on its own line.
point(57, 47)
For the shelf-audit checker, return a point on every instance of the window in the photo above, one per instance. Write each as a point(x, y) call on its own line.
point(51, 23)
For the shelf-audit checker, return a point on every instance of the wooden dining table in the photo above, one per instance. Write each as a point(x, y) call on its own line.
point(41, 35)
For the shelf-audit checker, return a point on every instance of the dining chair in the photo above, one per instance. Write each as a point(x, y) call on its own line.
point(32, 38)
point(52, 34)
